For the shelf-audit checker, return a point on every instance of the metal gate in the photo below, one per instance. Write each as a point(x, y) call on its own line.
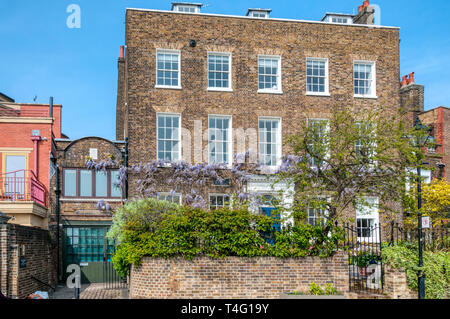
point(364, 258)
point(111, 279)
point(87, 246)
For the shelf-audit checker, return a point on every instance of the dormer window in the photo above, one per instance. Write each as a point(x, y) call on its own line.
point(259, 13)
point(338, 18)
point(186, 7)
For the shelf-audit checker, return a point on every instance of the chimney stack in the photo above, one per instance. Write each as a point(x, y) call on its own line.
point(365, 14)
point(411, 97)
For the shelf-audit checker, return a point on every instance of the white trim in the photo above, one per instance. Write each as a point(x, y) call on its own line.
point(179, 134)
point(168, 194)
point(279, 142)
point(327, 128)
point(373, 26)
point(161, 50)
point(373, 94)
point(279, 75)
point(327, 76)
point(229, 140)
point(90, 200)
point(221, 195)
point(230, 71)
point(374, 214)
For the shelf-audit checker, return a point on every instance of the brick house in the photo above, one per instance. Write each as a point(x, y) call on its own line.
point(182, 70)
point(83, 221)
point(412, 97)
point(27, 154)
point(27, 150)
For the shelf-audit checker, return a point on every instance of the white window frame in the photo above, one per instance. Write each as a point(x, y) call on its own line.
point(168, 194)
point(178, 6)
point(219, 195)
point(327, 77)
point(279, 143)
point(179, 134)
point(325, 212)
point(373, 94)
point(230, 70)
point(169, 51)
point(252, 14)
point(327, 128)
point(374, 215)
point(374, 143)
point(279, 75)
point(229, 138)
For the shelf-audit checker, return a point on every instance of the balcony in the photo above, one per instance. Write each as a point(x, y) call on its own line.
point(24, 198)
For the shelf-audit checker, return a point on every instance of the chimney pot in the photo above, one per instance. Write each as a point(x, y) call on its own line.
point(122, 51)
point(411, 78)
point(404, 80)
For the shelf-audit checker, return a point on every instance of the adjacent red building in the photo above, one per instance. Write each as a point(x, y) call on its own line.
point(27, 133)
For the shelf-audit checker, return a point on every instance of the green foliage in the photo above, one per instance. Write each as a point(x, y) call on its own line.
point(139, 215)
point(316, 290)
point(162, 230)
point(436, 268)
point(356, 153)
point(363, 259)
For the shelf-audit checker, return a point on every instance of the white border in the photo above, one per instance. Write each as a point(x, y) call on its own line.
point(279, 76)
point(161, 50)
point(179, 134)
point(280, 137)
point(230, 139)
point(230, 72)
point(327, 77)
point(373, 95)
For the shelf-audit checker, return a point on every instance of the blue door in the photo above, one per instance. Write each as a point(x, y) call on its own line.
point(269, 211)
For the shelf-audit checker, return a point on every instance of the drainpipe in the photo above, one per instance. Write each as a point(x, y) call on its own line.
point(36, 139)
point(125, 161)
point(57, 211)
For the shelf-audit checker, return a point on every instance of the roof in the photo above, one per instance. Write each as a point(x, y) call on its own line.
point(5, 98)
point(266, 19)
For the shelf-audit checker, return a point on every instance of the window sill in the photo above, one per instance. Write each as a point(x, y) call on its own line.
point(95, 200)
point(168, 87)
point(219, 90)
point(269, 92)
point(372, 97)
point(326, 94)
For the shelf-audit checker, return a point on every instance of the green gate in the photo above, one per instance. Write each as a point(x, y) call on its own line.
point(86, 245)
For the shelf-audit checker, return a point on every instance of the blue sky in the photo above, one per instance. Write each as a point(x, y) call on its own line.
point(40, 56)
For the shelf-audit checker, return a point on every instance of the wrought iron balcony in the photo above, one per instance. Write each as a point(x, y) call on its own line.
point(22, 185)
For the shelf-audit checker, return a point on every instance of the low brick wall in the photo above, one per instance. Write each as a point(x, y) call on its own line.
point(16, 282)
point(396, 284)
point(235, 277)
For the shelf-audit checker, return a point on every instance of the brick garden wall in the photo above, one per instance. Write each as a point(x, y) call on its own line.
point(396, 284)
point(235, 277)
point(16, 282)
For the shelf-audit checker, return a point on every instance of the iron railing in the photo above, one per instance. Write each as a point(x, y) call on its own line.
point(22, 185)
point(364, 258)
point(433, 238)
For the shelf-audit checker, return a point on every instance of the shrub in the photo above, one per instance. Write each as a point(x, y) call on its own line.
point(436, 268)
point(159, 229)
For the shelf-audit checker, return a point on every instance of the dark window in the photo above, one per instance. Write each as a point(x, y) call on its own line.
point(90, 184)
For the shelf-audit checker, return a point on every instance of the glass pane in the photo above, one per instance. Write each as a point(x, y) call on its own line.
point(70, 182)
point(101, 184)
point(116, 190)
point(85, 183)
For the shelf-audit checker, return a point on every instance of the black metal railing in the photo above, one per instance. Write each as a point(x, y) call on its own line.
point(365, 265)
point(434, 238)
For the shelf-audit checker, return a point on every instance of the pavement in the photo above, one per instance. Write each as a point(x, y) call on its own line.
point(90, 291)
